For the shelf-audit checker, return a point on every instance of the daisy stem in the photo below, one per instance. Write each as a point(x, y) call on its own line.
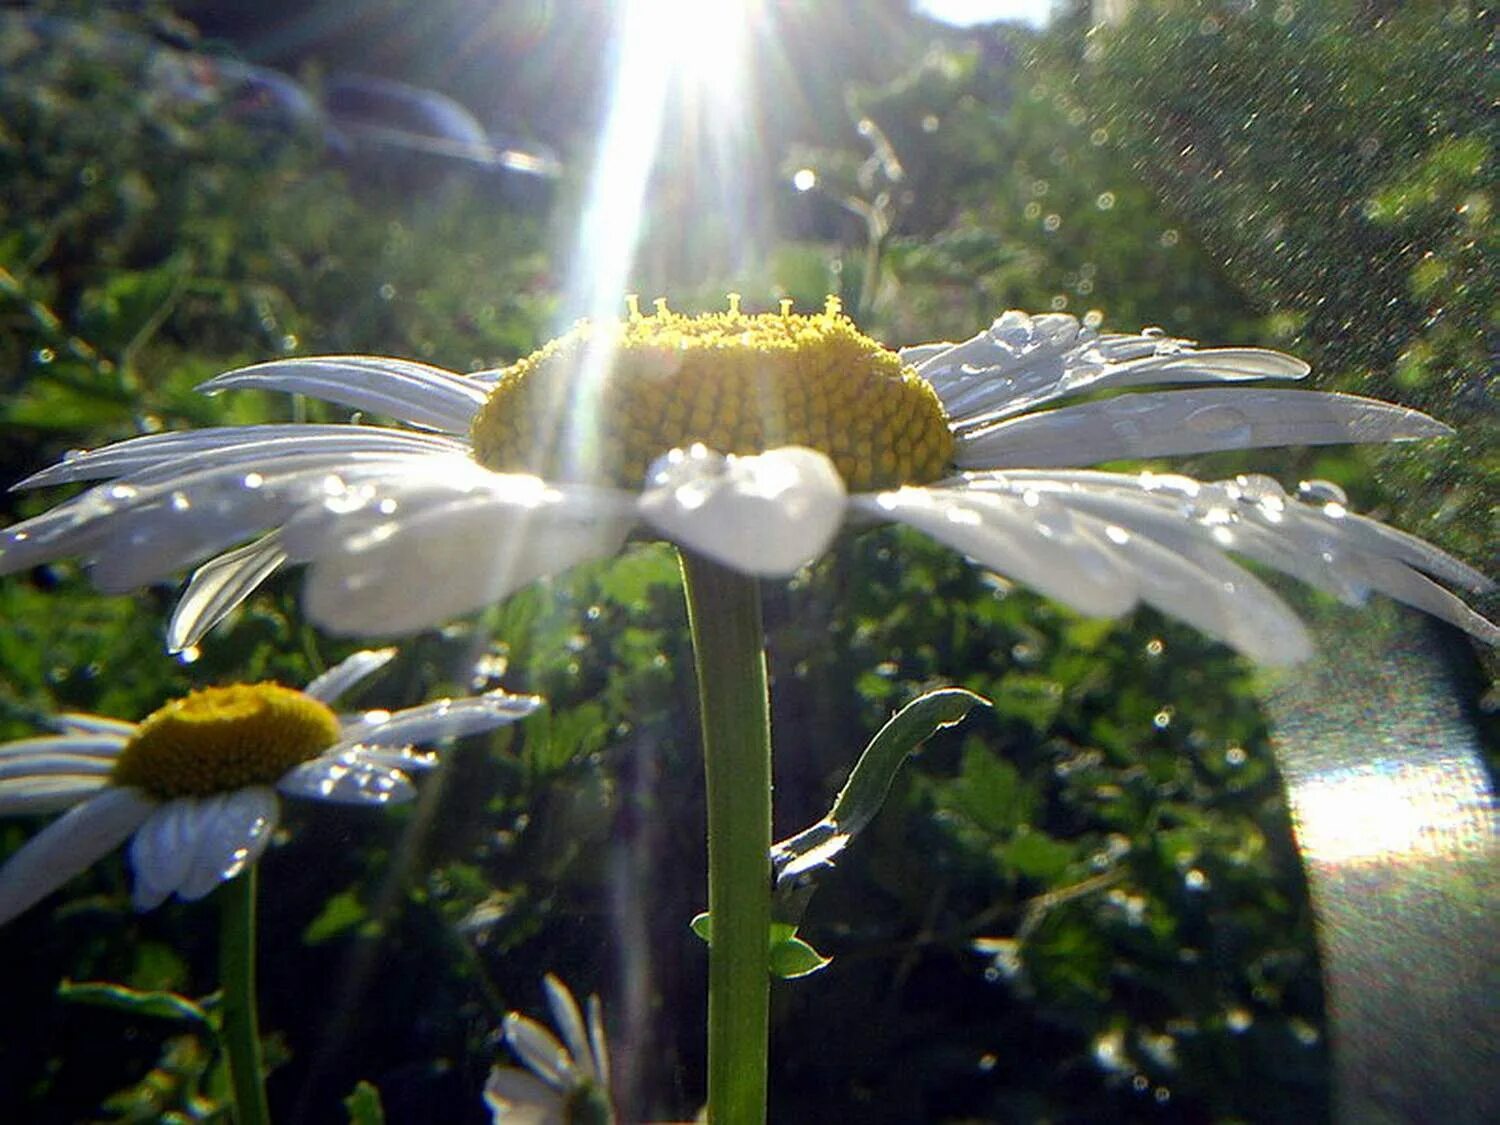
point(237, 979)
point(729, 652)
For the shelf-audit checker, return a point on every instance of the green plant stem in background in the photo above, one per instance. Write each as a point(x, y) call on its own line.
point(237, 979)
point(729, 651)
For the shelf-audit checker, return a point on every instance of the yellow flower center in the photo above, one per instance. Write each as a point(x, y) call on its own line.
point(735, 382)
point(220, 739)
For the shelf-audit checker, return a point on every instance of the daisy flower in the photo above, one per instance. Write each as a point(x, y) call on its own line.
point(751, 439)
point(196, 782)
point(565, 1082)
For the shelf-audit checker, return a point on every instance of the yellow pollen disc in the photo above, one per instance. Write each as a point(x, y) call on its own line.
point(220, 739)
point(736, 382)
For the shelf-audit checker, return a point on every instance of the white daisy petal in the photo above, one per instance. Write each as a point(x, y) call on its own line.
point(1021, 362)
point(401, 759)
point(1168, 423)
point(232, 831)
point(1215, 596)
point(764, 515)
point(539, 1049)
point(1086, 370)
point(518, 1097)
point(440, 719)
point(95, 745)
point(348, 672)
point(418, 568)
point(1397, 580)
point(347, 779)
point(151, 457)
point(42, 764)
point(599, 1048)
point(413, 392)
point(1027, 537)
point(162, 851)
point(48, 793)
point(73, 721)
point(139, 533)
point(1341, 554)
point(567, 1018)
point(218, 586)
point(67, 846)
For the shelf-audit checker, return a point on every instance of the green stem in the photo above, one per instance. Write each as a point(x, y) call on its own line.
point(237, 979)
point(729, 651)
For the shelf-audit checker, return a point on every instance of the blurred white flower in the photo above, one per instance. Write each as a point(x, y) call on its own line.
point(196, 781)
point(564, 1082)
point(501, 477)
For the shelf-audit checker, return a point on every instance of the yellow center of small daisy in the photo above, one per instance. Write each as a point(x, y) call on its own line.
point(737, 383)
point(220, 739)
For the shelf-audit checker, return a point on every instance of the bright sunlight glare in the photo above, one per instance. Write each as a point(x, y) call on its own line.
point(1387, 813)
point(696, 49)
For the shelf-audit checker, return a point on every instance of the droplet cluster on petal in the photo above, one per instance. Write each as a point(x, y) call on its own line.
point(601, 403)
point(220, 739)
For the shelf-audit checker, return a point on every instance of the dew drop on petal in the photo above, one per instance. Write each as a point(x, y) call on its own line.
point(1225, 423)
point(1321, 492)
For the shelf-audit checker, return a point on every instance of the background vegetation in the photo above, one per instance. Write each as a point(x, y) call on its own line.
point(1084, 905)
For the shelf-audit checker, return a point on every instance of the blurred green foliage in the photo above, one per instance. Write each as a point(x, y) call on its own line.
point(1082, 905)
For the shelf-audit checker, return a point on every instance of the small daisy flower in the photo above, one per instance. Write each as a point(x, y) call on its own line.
point(751, 440)
point(196, 782)
point(565, 1082)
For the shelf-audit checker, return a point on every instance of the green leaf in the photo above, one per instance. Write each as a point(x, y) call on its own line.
point(870, 781)
point(158, 1005)
point(788, 955)
point(795, 958)
point(341, 912)
point(1038, 856)
point(364, 1105)
point(989, 793)
point(703, 926)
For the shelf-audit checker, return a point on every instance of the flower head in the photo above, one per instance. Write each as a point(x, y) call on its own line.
point(752, 440)
point(196, 781)
point(565, 1082)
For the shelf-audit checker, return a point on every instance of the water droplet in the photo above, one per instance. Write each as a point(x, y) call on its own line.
point(1052, 222)
point(1303, 1032)
point(804, 179)
point(1195, 880)
point(1106, 201)
point(1109, 1051)
point(189, 655)
point(1238, 1019)
point(988, 1061)
point(1235, 756)
point(254, 480)
point(1321, 492)
point(1225, 424)
point(1155, 646)
point(387, 291)
point(180, 501)
point(1162, 719)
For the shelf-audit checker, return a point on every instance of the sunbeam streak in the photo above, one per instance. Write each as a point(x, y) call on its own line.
point(691, 48)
